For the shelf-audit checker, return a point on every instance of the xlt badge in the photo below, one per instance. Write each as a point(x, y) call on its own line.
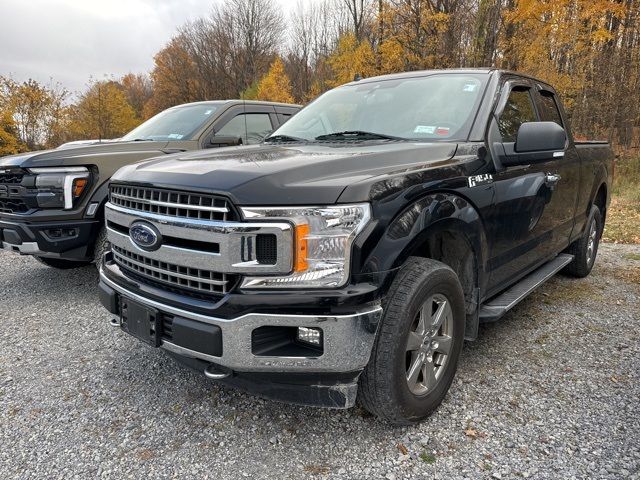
point(477, 180)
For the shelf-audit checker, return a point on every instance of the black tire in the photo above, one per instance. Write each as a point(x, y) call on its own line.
point(584, 260)
point(60, 263)
point(383, 388)
point(101, 246)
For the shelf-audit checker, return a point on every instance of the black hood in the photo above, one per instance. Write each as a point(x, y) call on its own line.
point(289, 174)
point(77, 155)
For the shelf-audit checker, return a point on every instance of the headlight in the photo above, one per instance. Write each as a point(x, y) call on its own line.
point(322, 244)
point(58, 187)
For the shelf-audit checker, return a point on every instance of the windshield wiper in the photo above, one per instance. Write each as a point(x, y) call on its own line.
point(284, 139)
point(142, 140)
point(357, 135)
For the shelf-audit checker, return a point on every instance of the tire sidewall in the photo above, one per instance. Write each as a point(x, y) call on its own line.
point(442, 281)
point(101, 246)
point(594, 216)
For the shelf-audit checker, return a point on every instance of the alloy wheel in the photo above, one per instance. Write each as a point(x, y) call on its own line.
point(429, 344)
point(592, 241)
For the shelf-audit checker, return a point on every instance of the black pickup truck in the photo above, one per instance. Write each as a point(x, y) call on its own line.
point(353, 251)
point(52, 202)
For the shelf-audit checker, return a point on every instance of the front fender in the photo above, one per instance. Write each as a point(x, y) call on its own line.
point(411, 228)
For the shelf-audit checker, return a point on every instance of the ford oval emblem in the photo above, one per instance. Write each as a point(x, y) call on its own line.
point(145, 236)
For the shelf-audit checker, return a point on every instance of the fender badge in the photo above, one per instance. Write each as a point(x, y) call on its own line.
point(477, 180)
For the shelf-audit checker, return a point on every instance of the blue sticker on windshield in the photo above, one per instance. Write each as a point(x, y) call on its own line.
point(469, 87)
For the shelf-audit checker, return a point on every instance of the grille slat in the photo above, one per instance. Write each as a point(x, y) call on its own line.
point(178, 277)
point(12, 204)
point(11, 178)
point(171, 203)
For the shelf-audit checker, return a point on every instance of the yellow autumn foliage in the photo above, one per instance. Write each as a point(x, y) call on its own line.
point(9, 143)
point(351, 58)
point(102, 113)
point(275, 85)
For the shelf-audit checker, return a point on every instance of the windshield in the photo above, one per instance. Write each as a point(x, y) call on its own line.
point(435, 107)
point(177, 123)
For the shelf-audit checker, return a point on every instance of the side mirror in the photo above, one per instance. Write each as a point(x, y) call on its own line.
point(535, 142)
point(540, 136)
point(225, 141)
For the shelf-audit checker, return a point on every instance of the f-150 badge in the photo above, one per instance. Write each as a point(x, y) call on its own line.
point(478, 180)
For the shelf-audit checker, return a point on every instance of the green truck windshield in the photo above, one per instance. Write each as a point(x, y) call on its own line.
point(178, 123)
point(435, 107)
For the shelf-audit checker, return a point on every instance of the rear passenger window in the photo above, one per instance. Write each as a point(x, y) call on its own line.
point(550, 111)
point(518, 110)
point(251, 127)
point(283, 117)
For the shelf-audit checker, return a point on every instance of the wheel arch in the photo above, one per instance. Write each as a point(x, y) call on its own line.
point(448, 228)
point(600, 200)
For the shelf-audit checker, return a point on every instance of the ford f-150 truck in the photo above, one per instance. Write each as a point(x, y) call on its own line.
point(353, 251)
point(52, 202)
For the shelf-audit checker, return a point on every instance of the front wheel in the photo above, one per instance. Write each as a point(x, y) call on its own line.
point(415, 355)
point(102, 245)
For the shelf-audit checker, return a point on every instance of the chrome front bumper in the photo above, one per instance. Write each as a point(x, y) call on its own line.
point(348, 339)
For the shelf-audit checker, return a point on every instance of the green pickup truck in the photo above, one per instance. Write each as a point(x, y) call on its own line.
point(52, 201)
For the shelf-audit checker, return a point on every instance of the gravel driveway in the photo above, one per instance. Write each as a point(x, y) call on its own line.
point(551, 391)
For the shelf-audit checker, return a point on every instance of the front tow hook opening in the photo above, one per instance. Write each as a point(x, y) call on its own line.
point(212, 372)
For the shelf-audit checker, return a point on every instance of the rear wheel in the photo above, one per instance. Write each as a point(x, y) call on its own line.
point(61, 263)
point(585, 249)
point(416, 352)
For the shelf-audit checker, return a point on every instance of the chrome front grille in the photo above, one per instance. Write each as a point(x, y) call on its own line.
point(182, 278)
point(171, 203)
point(196, 256)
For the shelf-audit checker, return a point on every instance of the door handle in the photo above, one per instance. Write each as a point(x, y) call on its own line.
point(552, 179)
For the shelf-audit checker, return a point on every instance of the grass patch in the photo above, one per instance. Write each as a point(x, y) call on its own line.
point(632, 256)
point(427, 457)
point(629, 274)
point(623, 218)
point(567, 289)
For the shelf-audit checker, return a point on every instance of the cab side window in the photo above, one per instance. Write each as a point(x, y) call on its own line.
point(549, 108)
point(518, 110)
point(256, 127)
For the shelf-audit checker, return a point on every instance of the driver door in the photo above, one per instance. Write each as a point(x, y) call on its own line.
point(532, 213)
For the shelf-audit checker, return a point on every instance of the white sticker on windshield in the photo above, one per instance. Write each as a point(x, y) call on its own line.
point(469, 87)
point(175, 136)
point(425, 129)
point(208, 112)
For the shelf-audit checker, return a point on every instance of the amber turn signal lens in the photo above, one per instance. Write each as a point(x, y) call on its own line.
point(78, 186)
point(300, 255)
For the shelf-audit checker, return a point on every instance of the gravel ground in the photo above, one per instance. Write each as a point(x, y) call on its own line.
point(552, 391)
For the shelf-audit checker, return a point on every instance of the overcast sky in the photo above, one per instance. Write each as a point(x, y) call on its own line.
point(71, 40)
